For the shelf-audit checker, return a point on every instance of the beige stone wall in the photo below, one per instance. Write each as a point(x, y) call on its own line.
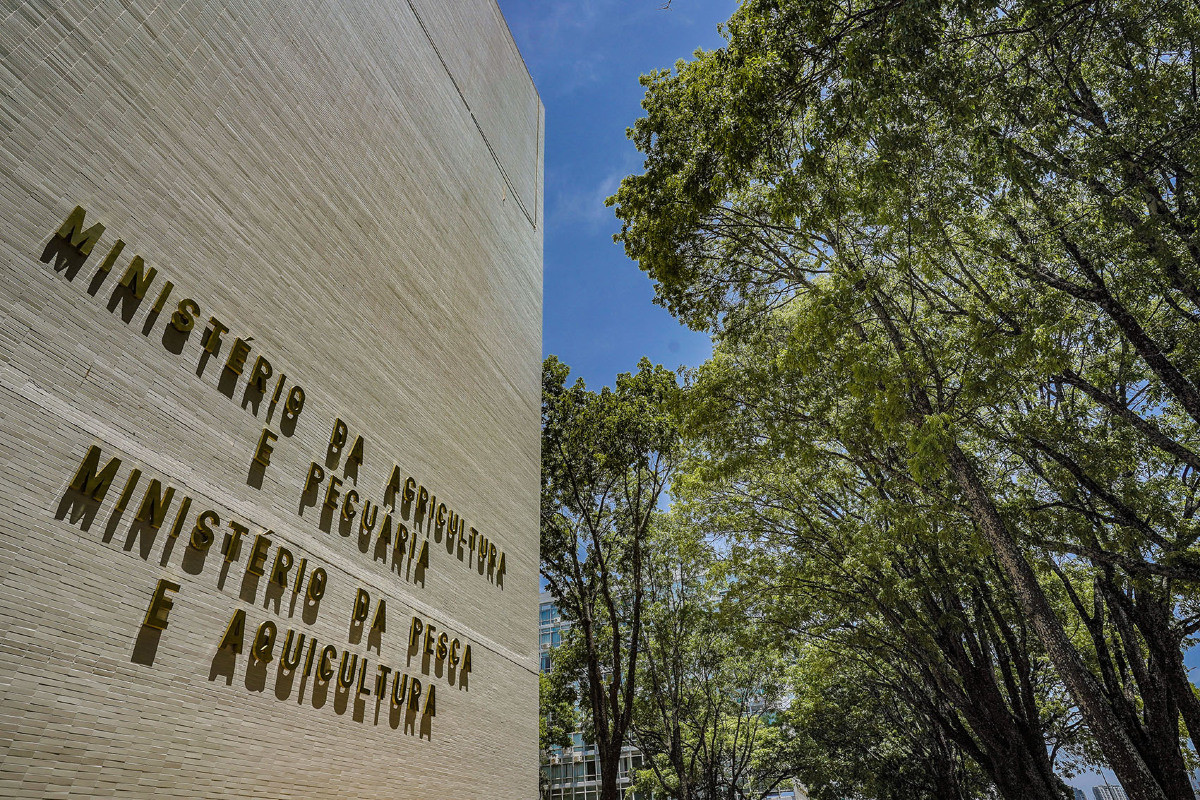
point(353, 188)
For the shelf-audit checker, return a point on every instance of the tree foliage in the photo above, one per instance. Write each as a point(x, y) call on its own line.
point(711, 683)
point(856, 738)
point(606, 458)
point(970, 229)
point(557, 716)
point(838, 555)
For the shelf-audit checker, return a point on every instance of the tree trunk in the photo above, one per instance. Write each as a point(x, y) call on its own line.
point(1119, 750)
point(610, 765)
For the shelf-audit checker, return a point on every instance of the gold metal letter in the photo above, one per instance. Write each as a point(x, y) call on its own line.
point(184, 318)
point(235, 632)
point(258, 554)
point(111, 258)
point(344, 680)
point(308, 662)
point(180, 516)
point(393, 487)
point(87, 481)
point(324, 667)
point(382, 679)
point(258, 376)
point(348, 507)
point(279, 570)
point(264, 641)
point(422, 503)
point(237, 356)
point(300, 575)
point(213, 339)
point(316, 585)
point(288, 659)
point(369, 514)
point(233, 541)
point(72, 230)
point(331, 491)
point(315, 476)
point(155, 504)
point(160, 605)
point(295, 402)
point(203, 535)
point(127, 492)
point(380, 621)
point(429, 629)
point(362, 677)
point(337, 439)
point(362, 606)
point(263, 454)
point(162, 297)
point(356, 452)
point(136, 279)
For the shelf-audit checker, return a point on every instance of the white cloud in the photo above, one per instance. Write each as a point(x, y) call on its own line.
point(584, 205)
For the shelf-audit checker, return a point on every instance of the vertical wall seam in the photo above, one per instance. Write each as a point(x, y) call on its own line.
point(487, 143)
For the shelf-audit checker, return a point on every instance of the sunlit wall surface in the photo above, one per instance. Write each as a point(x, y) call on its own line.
point(269, 399)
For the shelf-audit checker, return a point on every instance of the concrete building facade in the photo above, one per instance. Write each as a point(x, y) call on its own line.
point(269, 400)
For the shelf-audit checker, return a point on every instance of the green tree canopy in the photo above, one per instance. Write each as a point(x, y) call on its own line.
point(606, 458)
point(711, 680)
point(977, 222)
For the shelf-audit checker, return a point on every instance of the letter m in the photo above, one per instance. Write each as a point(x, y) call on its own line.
point(90, 482)
point(72, 230)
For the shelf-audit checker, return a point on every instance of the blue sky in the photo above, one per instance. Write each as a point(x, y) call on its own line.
point(585, 57)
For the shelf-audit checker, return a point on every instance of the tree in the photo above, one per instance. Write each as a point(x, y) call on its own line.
point(606, 459)
point(856, 738)
point(556, 717)
point(834, 552)
point(975, 213)
point(711, 683)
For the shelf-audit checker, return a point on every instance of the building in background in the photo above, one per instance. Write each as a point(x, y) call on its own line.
point(1080, 794)
point(573, 773)
point(1109, 792)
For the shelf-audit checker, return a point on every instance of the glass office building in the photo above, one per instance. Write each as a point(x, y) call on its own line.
point(574, 773)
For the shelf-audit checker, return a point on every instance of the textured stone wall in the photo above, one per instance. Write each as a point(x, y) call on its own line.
point(353, 190)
